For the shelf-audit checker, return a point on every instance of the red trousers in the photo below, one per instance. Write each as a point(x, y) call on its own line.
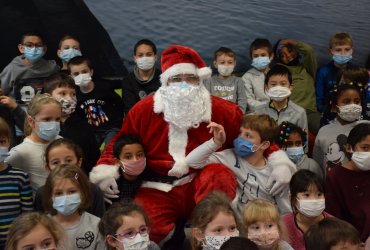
point(164, 208)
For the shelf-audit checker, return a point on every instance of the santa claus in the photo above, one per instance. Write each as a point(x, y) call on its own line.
point(171, 124)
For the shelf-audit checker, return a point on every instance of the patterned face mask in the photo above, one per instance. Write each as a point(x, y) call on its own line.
point(68, 105)
point(215, 242)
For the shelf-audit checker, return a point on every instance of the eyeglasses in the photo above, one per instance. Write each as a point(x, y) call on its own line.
point(130, 234)
point(33, 45)
point(192, 79)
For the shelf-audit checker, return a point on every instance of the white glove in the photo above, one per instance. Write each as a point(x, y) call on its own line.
point(109, 188)
point(179, 169)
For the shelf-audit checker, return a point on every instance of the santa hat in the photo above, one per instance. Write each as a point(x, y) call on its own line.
point(179, 59)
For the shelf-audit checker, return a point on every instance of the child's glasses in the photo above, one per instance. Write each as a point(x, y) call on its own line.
point(130, 234)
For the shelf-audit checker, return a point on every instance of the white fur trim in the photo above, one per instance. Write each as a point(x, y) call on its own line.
point(176, 69)
point(102, 172)
point(157, 185)
point(279, 158)
point(204, 72)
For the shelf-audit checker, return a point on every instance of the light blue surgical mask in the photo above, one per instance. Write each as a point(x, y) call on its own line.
point(261, 62)
point(67, 204)
point(244, 147)
point(295, 154)
point(341, 59)
point(4, 153)
point(180, 85)
point(67, 54)
point(48, 130)
point(33, 54)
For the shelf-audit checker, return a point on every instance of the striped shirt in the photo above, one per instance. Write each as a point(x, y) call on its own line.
point(15, 198)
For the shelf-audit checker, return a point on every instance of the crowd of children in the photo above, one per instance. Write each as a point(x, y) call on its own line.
point(69, 115)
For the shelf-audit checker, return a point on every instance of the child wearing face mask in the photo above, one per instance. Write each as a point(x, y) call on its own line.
point(263, 225)
point(224, 84)
point(63, 89)
point(260, 51)
point(213, 222)
point(130, 158)
point(308, 203)
point(66, 198)
point(328, 150)
point(293, 140)
point(144, 79)
point(97, 102)
point(125, 226)
point(347, 186)
point(15, 189)
point(68, 48)
point(59, 153)
point(246, 160)
point(41, 127)
point(278, 86)
point(300, 59)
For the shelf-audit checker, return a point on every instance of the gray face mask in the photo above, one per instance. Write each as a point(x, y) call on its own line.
point(4, 153)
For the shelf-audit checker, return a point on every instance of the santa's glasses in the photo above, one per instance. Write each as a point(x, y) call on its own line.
point(191, 79)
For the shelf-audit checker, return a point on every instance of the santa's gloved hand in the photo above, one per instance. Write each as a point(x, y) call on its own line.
point(179, 169)
point(109, 188)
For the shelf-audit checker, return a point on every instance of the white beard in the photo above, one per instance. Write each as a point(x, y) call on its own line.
point(185, 108)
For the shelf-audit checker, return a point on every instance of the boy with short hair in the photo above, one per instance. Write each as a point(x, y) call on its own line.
point(23, 77)
point(340, 49)
point(97, 102)
point(62, 88)
point(260, 51)
point(278, 86)
point(246, 160)
point(15, 189)
point(224, 84)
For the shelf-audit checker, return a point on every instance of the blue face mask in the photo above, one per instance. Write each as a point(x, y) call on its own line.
point(67, 204)
point(48, 130)
point(243, 147)
point(4, 153)
point(341, 59)
point(67, 54)
point(261, 62)
point(180, 85)
point(33, 54)
point(295, 154)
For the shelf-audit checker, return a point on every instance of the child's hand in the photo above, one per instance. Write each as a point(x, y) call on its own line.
point(8, 102)
point(219, 135)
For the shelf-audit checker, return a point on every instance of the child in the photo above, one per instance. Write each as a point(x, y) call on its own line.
point(41, 126)
point(67, 196)
point(125, 226)
point(63, 89)
point(130, 156)
point(144, 79)
point(34, 231)
point(293, 140)
point(300, 59)
point(340, 49)
point(330, 141)
point(278, 86)
point(308, 203)
point(23, 77)
point(239, 243)
point(261, 54)
point(213, 222)
point(224, 84)
point(332, 234)
point(246, 160)
point(15, 189)
point(61, 152)
point(97, 102)
point(347, 186)
point(263, 225)
point(68, 48)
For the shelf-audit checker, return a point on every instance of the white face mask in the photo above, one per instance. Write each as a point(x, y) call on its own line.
point(215, 242)
point(350, 112)
point(225, 70)
point(138, 243)
point(82, 79)
point(278, 93)
point(145, 62)
point(311, 208)
point(361, 160)
point(265, 239)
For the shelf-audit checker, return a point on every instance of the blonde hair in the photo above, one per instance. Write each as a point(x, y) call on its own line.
point(26, 222)
point(340, 38)
point(263, 124)
point(35, 106)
